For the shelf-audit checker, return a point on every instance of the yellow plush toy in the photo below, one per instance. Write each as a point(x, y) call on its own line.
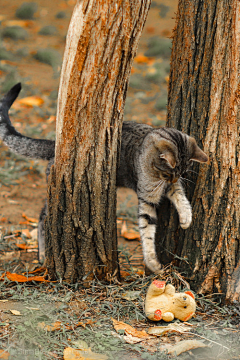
point(163, 303)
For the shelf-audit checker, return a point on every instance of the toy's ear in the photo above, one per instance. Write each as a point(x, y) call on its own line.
point(190, 293)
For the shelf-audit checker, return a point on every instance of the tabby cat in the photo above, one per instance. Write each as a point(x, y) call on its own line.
point(152, 162)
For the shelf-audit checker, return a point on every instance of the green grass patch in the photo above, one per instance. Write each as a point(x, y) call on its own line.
point(159, 47)
point(26, 10)
point(48, 56)
point(138, 82)
point(14, 32)
point(5, 55)
point(164, 9)
point(161, 103)
point(61, 15)
point(48, 30)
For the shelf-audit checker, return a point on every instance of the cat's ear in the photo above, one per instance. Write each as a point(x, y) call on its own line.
point(169, 157)
point(196, 153)
point(167, 152)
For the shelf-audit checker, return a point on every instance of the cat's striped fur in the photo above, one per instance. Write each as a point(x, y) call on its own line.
point(151, 163)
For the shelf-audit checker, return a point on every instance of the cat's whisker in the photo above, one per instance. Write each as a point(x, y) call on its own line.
point(192, 171)
point(188, 180)
point(159, 184)
point(184, 183)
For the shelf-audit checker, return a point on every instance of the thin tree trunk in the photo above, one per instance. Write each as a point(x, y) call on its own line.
point(204, 102)
point(81, 228)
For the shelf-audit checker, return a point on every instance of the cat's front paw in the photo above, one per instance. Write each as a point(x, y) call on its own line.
point(185, 218)
point(153, 264)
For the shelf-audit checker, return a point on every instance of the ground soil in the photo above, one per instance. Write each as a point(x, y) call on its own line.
point(22, 194)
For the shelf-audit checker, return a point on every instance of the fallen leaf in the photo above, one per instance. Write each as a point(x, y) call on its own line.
point(161, 330)
point(4, 219)
point(26, 233)
point(182, 346)
point(130, 339)
point(129, 234)
point(16, 312)
point(21, 23)
point(8, 255)
point(38, 270)
point(142, 59)
point(25, 247)
point(52, 327)
point(119, 325)
point(85, 354)
point(30, 219)
point(34, 234)
point(80, 345)
point(30, 101)
point(22, 278)
point(131, 295)
point(51, 119)
point(4, 354)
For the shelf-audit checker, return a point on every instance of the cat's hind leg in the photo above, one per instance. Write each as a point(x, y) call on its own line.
point(41, 234)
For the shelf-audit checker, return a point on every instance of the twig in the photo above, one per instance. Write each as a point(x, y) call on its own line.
point(209, 340)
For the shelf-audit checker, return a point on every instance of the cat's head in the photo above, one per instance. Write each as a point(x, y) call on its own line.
point(168, 153)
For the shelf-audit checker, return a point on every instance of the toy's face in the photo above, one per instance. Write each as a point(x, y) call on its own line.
point(184, 306)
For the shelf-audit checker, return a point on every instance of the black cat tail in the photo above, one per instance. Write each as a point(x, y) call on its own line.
point(11, 96)
point(18, 143)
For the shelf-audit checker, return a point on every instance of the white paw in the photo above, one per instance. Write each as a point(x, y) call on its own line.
point(152, 263)
point(185, 218)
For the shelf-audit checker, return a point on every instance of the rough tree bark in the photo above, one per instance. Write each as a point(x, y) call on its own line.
point(204, 102)
point(81, 228)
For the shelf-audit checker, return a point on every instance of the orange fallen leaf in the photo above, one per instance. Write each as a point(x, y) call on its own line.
point(25, 247)
point(3, 219)
point(119, 325)
point(129, 234)
point(141, 59)
point(57, 325)
point(21, 23)
point(4, 354)
point(38, 270)
point(31, 101)
point(22, 278)
point(52, 327)
point(30, 219)
point(83, 354)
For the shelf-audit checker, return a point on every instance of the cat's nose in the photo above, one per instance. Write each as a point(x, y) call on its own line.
point(174, 179)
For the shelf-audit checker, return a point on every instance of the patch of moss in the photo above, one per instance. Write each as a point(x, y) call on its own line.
point(23, 52)
point(10, 80)
point(137, 81)
point(159, 47)
point(5, 55)
point(164, 9)
point(48, 56)
point(157, 77)
point(26, 10)
point(161, 103)
point(53, 95)
point(48, 30)
point(14, 32)
point(61, 15)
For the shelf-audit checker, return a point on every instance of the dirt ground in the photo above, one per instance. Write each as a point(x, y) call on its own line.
point(80, 318)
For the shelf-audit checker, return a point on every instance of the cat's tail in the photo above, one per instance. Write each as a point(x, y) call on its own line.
point(18, 143)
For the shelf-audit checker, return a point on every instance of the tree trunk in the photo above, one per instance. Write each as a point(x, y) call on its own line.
point(81, 228)
point(204, 102)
